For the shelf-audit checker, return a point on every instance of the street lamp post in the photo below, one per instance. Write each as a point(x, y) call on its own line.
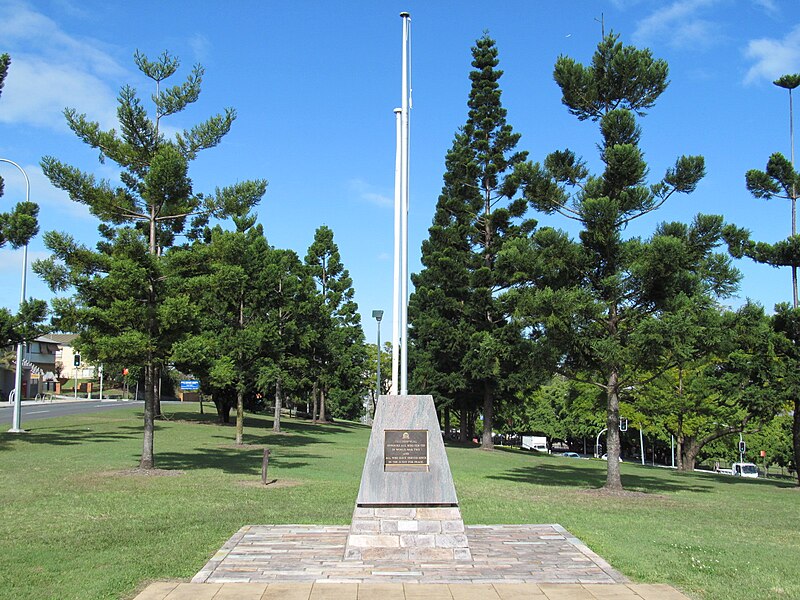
point(15, 423)
point(790, 82)
point(378, 315)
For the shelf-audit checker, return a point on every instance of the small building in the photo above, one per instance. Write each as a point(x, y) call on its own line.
point(46, 360)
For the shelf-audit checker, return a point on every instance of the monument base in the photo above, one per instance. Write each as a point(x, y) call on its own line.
point(407, 507)
point(413, 534)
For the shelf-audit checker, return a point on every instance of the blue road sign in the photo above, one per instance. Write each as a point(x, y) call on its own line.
point(190, 385)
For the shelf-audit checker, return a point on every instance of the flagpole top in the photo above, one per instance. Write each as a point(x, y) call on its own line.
point(405, 15)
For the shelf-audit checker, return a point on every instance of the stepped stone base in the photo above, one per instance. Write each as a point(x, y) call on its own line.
point(415, 534)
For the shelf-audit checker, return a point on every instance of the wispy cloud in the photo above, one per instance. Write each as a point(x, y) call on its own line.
point(370, 193)
point(769, 6)
point(11, 263)
point(773, 57)
point(55, 205)
point(51, 70)
point(200, 46)
point(679, 24)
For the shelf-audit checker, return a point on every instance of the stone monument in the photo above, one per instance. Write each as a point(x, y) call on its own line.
point(407, 507)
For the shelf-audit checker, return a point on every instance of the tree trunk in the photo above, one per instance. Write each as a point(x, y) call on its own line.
point(471, 425)
point(462, 430)
point(276, 421)
point(223, 410)
point(679, 451)
point(613, 479)
point(314, 395)
point(322, 405)
point(488, 417)
point(148, 460)
point(688, 454)
point(239, 416)
point(447, 422)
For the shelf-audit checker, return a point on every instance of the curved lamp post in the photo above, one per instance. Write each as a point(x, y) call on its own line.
point(15, 426)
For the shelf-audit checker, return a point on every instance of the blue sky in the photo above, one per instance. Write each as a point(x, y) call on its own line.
point(315, 85)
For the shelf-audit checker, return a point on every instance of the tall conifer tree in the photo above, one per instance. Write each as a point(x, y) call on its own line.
point(150, 207)
point(340, 353)
point(478, 213)
point(615, 308)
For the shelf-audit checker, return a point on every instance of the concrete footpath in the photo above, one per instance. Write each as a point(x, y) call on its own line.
point(509, 562)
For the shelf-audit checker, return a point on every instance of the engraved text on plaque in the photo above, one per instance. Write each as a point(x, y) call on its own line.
point(405, 450)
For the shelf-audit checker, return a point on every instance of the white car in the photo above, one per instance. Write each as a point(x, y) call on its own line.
point(605, 457)
point(744, 470)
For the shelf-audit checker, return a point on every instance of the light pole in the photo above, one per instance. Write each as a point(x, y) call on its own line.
point(15, 423)
point(378, 315)
point(790, 82)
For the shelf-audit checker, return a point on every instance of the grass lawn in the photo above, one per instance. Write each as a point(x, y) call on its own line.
point(75, 525)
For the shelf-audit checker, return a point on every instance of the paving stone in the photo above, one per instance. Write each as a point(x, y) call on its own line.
point(650, 591)
point(431, 554)
point(331, 591)
point(157, 590)
point(422, 591)
point(519, 591)
point(565, 591)
point(287, 591)
point(603, 591)
point(473, 591)
point(193, 591)
point(241, 591)
point(377, 591)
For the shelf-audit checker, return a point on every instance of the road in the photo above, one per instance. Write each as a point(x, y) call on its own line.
point(60, 409)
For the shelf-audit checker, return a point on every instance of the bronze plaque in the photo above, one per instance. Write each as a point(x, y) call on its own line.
point(405, 449)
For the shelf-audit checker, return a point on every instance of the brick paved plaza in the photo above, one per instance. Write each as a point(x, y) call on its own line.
point(509, 562)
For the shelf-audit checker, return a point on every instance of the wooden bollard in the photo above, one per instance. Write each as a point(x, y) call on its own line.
point(264, 465)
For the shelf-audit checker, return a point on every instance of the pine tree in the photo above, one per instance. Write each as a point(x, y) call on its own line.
point(293, 306)
point(780, 179)
point(154, 200)
point(477, 215)
point(601, 301)
point(340, 354)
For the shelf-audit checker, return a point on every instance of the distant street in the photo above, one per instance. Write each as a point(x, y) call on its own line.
point(60, 409)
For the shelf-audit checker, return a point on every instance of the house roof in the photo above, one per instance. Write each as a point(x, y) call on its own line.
point(63, 339)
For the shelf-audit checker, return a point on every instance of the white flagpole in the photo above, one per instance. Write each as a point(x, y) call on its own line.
point(396, 296)
point(404, 211)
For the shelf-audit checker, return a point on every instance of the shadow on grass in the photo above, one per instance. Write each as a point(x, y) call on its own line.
point(78, 434)
point(246, 461)
point(576, 476)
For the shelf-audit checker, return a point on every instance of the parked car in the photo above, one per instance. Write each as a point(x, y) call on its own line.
point(744, 470)
point(571, 454)
point(605, 457)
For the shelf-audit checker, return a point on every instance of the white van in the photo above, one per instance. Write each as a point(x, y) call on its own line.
point(744, 470)
point(534, 442)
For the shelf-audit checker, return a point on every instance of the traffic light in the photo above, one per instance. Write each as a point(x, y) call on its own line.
point(77, 360)
point(742, 447)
